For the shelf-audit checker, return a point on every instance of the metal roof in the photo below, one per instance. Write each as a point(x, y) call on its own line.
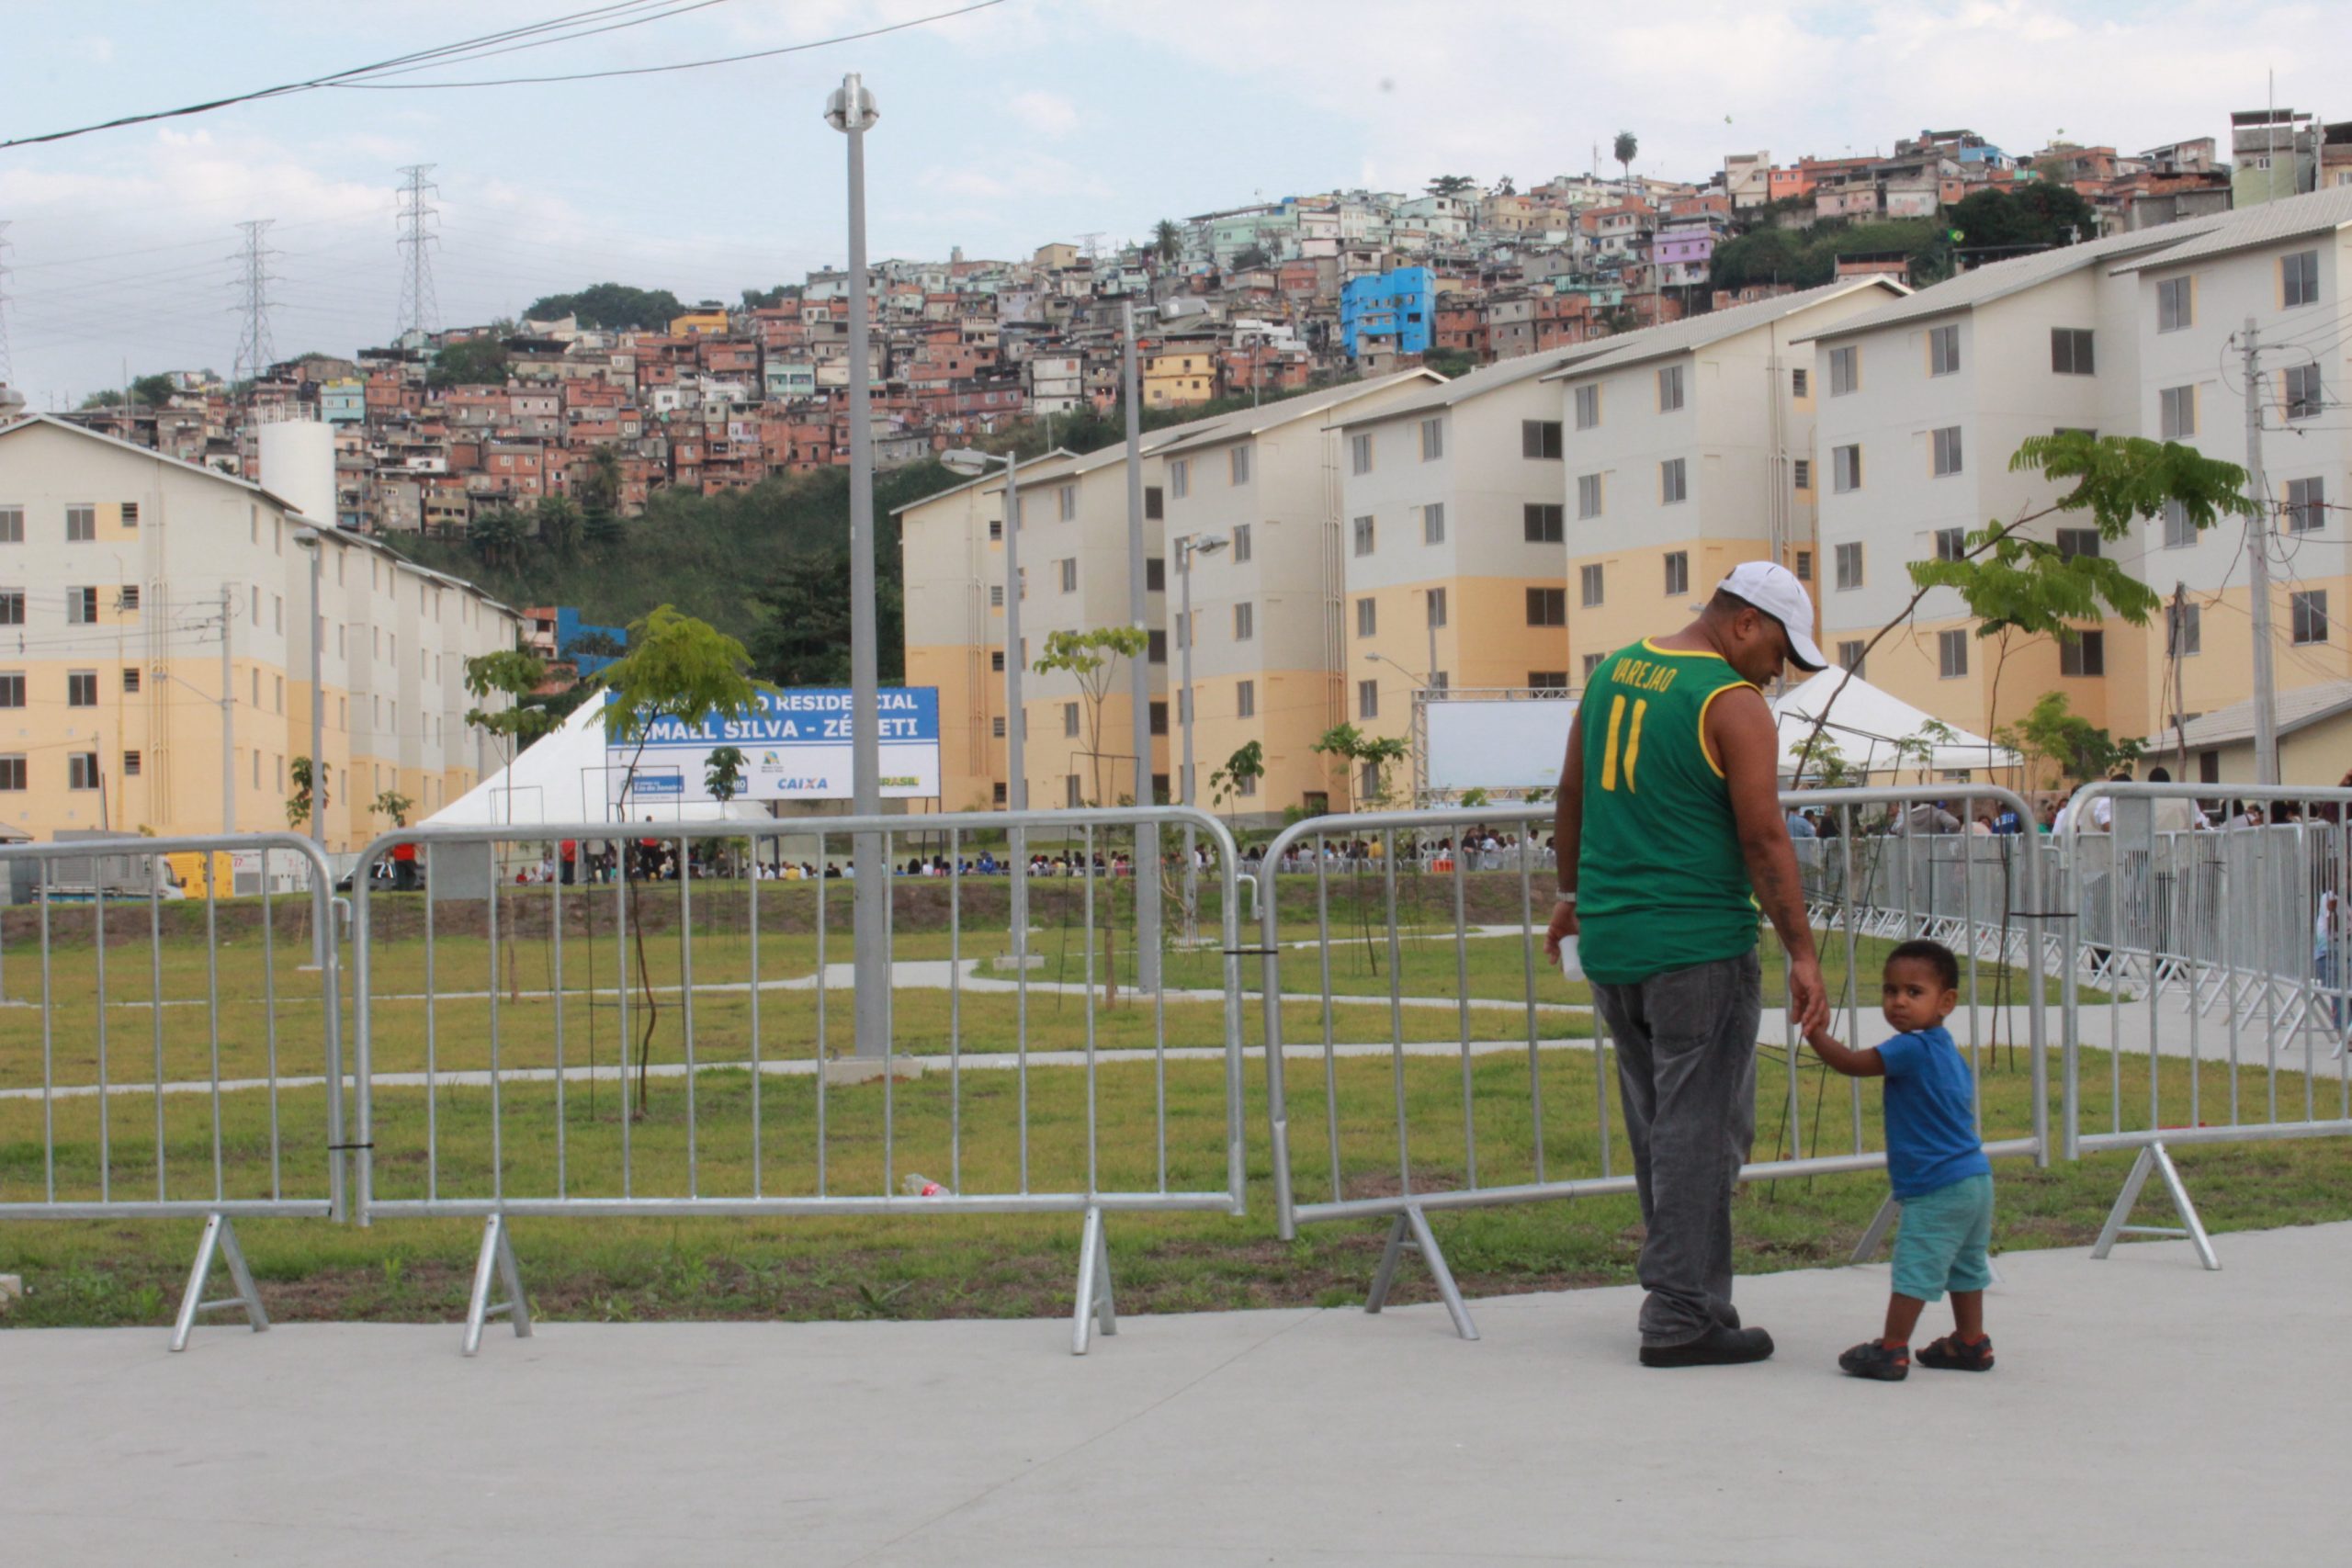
point(2298, 708)
point(2291, 218)
point(1697, 332)
point(1486, 378)
point(1247, 423)
point(2000, 279)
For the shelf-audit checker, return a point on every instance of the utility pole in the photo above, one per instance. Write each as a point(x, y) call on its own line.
point(851, 112)
point(228, 721)
point(1139, 669)
point(7, 370)
point(2179, 634)
point(419, 309)
point(2265, 693)
point(254, 349)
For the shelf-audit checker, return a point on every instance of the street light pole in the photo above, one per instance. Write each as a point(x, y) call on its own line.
point(313, 542)
point(1016, 788)
point(1187, 545)
point(851, 111)
point(1146, 836)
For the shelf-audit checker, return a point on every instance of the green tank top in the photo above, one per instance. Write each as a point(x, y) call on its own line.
point(1660, 881)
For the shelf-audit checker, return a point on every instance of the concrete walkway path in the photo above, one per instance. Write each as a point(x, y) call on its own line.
point(2144, 1411)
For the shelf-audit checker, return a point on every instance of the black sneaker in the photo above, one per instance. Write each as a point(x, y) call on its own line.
point(1719, 1346)
point(1872, 1360)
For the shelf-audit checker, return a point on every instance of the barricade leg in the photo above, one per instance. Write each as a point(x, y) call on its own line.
point(1095, 1307)
point(1875, 1236)
point(498, 1255)
point(220, 1241)
point(1411, 1229)
point(2154, 1158)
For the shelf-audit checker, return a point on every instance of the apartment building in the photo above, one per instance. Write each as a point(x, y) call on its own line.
point(117, 565)
point(1924, 401)
point(1684, 450)
point(1269, 628)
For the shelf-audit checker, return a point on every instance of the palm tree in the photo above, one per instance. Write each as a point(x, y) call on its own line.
point(559, 519)
point(1167, 241)
point(1623, 149)
point(495, 533)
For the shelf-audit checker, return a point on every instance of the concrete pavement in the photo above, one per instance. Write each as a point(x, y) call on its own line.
point(2144, 1411)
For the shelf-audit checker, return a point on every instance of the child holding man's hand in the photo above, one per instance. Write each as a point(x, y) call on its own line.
point(1936, 1164)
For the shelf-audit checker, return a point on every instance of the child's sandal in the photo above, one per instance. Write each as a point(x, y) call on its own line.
point(1874, 1361)
point(1952, 1354)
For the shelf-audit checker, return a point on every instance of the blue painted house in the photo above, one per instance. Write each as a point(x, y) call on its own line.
point(1396, 311)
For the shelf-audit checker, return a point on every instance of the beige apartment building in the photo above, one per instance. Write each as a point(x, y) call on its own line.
point(1687, 450)
point(153, 613)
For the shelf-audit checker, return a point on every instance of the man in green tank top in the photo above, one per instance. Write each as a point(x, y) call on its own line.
point(1671, 841)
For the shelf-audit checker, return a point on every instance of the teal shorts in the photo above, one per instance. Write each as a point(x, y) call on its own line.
point(1941, 1245)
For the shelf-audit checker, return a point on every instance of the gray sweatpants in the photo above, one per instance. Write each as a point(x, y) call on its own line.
point(1686, 1069)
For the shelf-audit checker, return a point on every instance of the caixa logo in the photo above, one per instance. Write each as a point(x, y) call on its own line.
point(804, 784)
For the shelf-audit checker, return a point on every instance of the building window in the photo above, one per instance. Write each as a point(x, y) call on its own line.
point(996, 529)
point(81, 688)
point(1240, 543)
point(1951, 543)
point(130, 764)
point(1943, 350)
point(1800, 383)
point(1951, 654)
point(1547, 606)
point(2310, 612)
point(1367, 618)
point(2070, 351)
point(1849, 655)
point(1589, 584)
point(1155, 574)
point(998, 793)
point(131, 520)
point(1245, 622)
point(130, 677)
point(1067, 569)
point(1846, 558)
point(996, 595)
point(81, 770)
point(1541, 438)
point(1071, 797)
point(1801, 473)
point(1365, 537)
point(1436, 603)
point(1367, 699)
point(1154, 646)
point(2298, 280)
point(1670, 388)
point(2185, 629)
point(1673, 486)
point(1946, 450)
point(1587, 407)
point(1245, 699)
point(1245, 785)
point(2177, 412)
point(1543, 522)
point(1160, 718)
point(2306, 505)
point(2304, 396)
point(1433, 523)
point(81, 524)
point(1592, 666)
point(12, 525)
point(1239, 459)
point(12, 690)
point(1069, 718)
point(1678, 572)
point(1845, 370)
point(2086, 654)
point(1432, 439)
point(12, 773)
point(80, 606)
point(1155, 503)
point(2179, 532)
point(996, 727)
point(127, 597)
point(1846, 468)
point(2073, 542)
point(2176, 304)
point(1804, 566)
point(996, 659)
point(1547, 679)
point(1359, 454)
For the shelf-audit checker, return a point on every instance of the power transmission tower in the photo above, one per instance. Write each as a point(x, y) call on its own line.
point(255, 351)
point(7, 370)
point(419, 309)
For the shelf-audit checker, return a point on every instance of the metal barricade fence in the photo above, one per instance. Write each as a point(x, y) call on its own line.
point(2214, 959)
point(673, 1052)
point(1401, 1121)
point(171, 1131)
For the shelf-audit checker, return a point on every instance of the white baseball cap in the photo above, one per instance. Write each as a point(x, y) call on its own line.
point(1774, 589)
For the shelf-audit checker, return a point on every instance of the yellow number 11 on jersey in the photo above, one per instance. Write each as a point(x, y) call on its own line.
point(1632, 736)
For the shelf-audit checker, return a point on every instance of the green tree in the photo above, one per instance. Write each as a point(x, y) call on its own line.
point(1092, 658)
point(2033, 213)
point(1625, 148)
point(496, 534)
point(1167, 241)
point(1451, 185)
point(1249, 258)
point(612, 306)
point(769, 299)
point(596, 643)
point(152, 390)
point(469, 362)
point(1240, 776)
point(393, 805)
point(723, 772)
point(106, 400)
point(298, 804)
point(2073, 746)
point(678, 671)
point(804, 635)
point(1450, 362)
point(559, 518)
point(1355, 752)
point(515, 674)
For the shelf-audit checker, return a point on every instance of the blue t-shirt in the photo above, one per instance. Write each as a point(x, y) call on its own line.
point(1931, 1138)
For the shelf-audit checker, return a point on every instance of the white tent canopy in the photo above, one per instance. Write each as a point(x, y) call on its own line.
point(1867, 723)
point(561, 777)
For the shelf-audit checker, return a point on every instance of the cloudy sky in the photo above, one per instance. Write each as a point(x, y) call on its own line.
point(1026, 121)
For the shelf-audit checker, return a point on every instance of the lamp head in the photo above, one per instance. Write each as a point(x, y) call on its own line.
point(308, 537)
point(839, 111)
point(965, 460)
point(1206, 544)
